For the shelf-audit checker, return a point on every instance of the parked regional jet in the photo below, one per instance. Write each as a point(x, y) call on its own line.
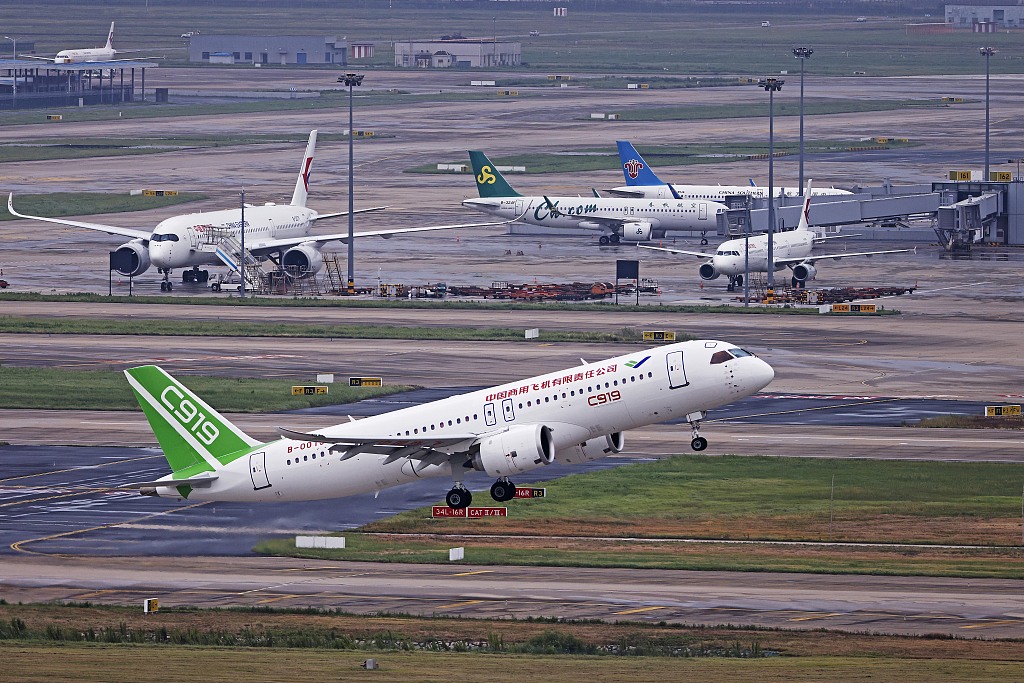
point(629, 220)
point(791, 249)
point(90, 54)
point(571, 416)
point(642, 182)
point(281, 233)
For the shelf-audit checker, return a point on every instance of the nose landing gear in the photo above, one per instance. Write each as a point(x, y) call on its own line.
point(166, 285)
point(698, 442)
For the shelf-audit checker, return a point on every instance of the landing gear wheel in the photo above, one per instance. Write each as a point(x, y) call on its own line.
point(458, 498)
point(204, 276)
point(615, 239)
point(698, 443)
point(163, 286)
point(703, 241)
point(503, 491)
point(603, 240)
point(170, 285)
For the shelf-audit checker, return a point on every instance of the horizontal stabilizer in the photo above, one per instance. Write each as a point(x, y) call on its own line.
point(197, 482)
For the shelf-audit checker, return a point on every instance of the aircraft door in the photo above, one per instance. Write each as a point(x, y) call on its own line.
point(702, 211)
point(508, 410)
point(676, 370)
point(489, 418)
point(193, 237)
point(519, 207)
point(258, 470)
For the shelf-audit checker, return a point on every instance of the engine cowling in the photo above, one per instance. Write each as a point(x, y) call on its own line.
point(517, 449)
point(707, 271)
point(592, 449)
point(303, 261)
point(135, 253)
point(803, 272)
point(636, 231)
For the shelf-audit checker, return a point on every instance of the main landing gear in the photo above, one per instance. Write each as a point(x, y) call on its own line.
point(503, 490)
point(195, 275)
point(734, 282)
point(698, 442)
point(605, 240)
point(166, 285)
point(459, 497)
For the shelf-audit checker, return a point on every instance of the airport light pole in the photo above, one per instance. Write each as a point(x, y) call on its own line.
point(14, 87)
point(771, 85)
point(351, 80)
point(987, 53)
point(803, 54)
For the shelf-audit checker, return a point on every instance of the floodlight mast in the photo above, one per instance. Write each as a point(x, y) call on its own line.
point(771, 85)
point(987, 53)
point(803, 54)
point(351, 80)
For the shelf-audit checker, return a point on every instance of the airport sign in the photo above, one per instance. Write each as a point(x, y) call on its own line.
point(1002, 411)
point(365, 381)
point(526, 492)
point(443, 511)
point(960, 175)
point(659, 335)
point(854, 308)
point(309, 391)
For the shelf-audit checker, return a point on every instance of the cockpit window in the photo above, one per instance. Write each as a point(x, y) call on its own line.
point(720, 357)
point(739, 353)
point(166, 237)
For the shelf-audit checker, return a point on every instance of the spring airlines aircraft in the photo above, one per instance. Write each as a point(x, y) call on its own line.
point(642, 182)
point(629, 220)
point(278, 232)
point(571, 416)
point(790, 249)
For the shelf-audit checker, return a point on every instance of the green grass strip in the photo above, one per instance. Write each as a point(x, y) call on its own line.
point(62, 389)
point(226, 328)
point(90, 203)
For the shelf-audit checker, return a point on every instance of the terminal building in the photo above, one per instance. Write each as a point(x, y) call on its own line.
point(994, 16)
point(459, 53)
point(282, 50)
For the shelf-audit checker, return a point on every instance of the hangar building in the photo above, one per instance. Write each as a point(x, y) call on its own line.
point(461, 53)
point(1001, 16)
point(240, 49)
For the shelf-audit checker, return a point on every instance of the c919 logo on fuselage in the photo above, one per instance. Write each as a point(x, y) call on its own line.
point(188, 414)
point(605, 397)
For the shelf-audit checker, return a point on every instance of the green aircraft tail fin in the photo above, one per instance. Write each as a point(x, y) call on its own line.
point(489, 181)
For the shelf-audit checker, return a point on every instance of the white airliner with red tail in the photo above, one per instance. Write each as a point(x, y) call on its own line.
point(571, 416)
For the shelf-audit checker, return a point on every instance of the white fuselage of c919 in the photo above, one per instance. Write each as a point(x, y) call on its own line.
point(729, 258)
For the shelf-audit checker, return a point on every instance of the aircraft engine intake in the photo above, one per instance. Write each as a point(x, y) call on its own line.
point(592, 449)
point(804, 271)
point(707, 271)
point(135, 257)
point(518, 449)
point(636, 231)
point(302, 261)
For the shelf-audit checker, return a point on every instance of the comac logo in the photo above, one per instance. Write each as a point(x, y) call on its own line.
point(188, 414)
point(633, 168)
point(486, 176)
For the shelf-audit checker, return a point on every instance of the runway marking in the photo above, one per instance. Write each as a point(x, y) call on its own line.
point(639, 609)
point(17, 545)
point(805, 410)
point(479, 571)
point(96, 594)
point(280, 597)
point(818, 616)
point(987, 624)
point(86, 467)
point(467, 603)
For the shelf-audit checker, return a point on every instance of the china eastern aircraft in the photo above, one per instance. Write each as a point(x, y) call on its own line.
point(89, 54)
point(571, 416)
point(626, 220)
point(644, 183)
point(278, 232)
point(791, 249)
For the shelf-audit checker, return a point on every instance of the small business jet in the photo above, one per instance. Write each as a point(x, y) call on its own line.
point(572, 416)
point(277, 232)
point(791, 249)
point(90, 54)
point(619, 220)
point(642, 182)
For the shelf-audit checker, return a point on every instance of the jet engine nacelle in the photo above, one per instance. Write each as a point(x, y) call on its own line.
point(804, 271)
point(707, 271)
point(304, 260)
point(517, 449)
point(592, 449)
point(638, 231)
point(134, 253)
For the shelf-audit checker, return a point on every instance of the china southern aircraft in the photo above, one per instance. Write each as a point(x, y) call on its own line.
point(644, 183)
point(791, 249)
point(572, 416)
point(278, 232)
point(89, 54)
point(626, 220)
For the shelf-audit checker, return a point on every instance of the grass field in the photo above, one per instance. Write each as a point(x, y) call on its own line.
point(922, 504)
point(62, 389)
point(226, 328)
point(92, 643)
point(89, 203)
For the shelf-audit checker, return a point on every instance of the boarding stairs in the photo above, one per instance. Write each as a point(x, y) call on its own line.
point(225, 246)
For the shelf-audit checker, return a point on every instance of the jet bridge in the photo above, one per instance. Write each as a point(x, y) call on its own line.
point(968, 222)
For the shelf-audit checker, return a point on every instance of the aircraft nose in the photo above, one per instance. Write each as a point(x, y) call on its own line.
point(761, 374)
